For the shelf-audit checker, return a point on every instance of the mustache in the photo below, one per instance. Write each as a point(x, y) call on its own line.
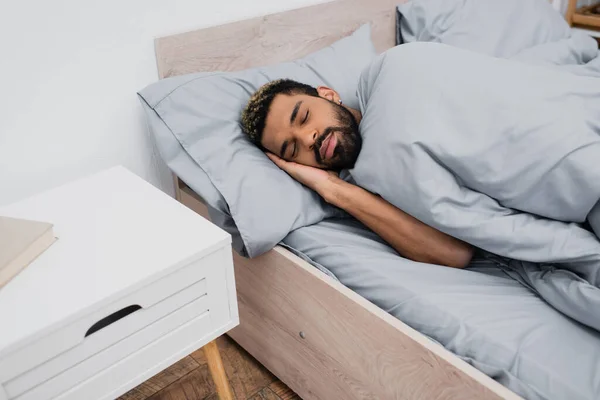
point(319, 141)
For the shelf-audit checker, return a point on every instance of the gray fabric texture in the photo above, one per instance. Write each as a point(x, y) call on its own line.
point(508, 164)
point(500, 28)
point(594, 219)
point(489, 320)
point(196, 121)
point(577, 54)
point(529, 31)
point(184, 166)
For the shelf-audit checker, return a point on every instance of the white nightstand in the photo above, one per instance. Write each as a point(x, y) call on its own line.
point(135, 282)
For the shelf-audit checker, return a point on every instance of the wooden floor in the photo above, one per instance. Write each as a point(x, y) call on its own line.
point(189, 379)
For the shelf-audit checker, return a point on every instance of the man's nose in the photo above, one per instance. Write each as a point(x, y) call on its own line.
point(309, 137)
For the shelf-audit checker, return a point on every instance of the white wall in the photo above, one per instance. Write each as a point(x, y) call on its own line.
point(69, 72)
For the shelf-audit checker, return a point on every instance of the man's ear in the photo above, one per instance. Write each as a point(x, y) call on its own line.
point(328, 93)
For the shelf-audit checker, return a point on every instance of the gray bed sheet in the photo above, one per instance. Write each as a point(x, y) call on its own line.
point(481, 314)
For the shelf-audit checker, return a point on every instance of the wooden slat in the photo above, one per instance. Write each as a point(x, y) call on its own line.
point(197, 385)
point(586, 20)
point(265, 394)
point(161, 380)
point(283, 392)
point(571, 8)
point(582, 16)
point(274, 38)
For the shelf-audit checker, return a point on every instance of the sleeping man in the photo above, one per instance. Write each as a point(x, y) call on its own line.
point(496, 154)
point(309, 133)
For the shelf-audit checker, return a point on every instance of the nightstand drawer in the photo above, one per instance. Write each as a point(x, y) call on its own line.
point(138, 343)
point(69, 355)
point(124, 375)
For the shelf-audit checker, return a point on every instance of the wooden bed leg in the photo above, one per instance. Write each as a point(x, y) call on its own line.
point(217, 371)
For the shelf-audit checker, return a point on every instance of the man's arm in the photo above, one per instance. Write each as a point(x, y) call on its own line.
point(408, 236)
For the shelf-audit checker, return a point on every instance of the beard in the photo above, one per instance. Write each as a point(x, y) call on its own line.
point(349, 141)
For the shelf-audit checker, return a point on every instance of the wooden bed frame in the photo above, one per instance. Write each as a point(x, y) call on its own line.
point(316, 335)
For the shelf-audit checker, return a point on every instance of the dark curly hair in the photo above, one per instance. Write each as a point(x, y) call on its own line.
point(255, 113)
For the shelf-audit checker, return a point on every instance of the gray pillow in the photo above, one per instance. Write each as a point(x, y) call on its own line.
point(501, 28)
point(184, 166)
point(201, 111)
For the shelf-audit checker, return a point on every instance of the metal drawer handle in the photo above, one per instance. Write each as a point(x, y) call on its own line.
point(114, 317)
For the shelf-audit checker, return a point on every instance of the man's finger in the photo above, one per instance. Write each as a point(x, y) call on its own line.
point(285, 166)
point(280, 162)
point(272, 156)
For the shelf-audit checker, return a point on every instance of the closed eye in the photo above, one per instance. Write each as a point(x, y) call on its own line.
point(305, 117)
point(294, 153)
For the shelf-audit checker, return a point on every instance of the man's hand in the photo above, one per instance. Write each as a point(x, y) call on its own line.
point(316, 179)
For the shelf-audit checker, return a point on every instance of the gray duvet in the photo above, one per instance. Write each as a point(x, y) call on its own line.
point(498, 153)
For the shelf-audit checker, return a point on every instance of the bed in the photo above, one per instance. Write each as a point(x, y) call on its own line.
point(317, 335)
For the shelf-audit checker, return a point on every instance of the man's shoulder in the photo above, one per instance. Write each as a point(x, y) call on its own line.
point(398, 63)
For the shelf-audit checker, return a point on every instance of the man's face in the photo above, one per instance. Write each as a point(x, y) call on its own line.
point(312, 131)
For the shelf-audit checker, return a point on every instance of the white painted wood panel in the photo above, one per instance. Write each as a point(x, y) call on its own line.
point(116, 233)
point(132, 370)
point(100, 340)
point(125, 246)
point(107, 358)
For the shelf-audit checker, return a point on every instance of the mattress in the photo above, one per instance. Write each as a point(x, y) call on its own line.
point(481, 314)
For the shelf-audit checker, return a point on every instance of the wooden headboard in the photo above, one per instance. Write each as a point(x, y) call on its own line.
point(274, 38)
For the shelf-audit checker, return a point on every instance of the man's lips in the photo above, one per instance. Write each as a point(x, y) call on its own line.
point(328, 146)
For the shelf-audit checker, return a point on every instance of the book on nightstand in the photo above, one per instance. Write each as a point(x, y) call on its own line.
point(21, 242)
